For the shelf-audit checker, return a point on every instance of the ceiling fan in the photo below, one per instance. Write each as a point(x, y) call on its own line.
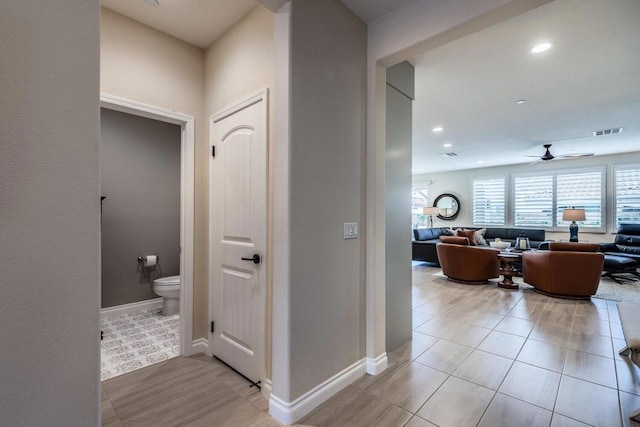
point(548, 156)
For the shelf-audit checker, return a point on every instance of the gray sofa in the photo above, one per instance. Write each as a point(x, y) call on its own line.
point(425, 239)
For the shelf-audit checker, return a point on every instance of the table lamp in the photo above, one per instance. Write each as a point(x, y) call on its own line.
point(573, 215)
point(430, 212)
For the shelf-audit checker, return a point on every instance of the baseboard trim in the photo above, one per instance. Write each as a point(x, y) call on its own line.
point(377, 365)
point(266, 389)
point(201, 345)
point(290, 412)
point(124, 309)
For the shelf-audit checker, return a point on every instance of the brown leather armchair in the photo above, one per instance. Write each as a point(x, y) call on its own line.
point(467, 264)
point(566, 270)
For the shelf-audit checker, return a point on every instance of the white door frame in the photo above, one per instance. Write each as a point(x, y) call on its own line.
point(187, 190)
point(263, 97)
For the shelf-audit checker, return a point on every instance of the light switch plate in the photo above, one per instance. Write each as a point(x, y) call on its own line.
point(350, 230)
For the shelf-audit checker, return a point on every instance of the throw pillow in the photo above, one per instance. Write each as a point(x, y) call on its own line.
point(455, 240)
point(469, 234)
point(479, 236)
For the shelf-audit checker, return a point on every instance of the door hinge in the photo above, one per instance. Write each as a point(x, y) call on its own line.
point(212, 326)
point(213, 151)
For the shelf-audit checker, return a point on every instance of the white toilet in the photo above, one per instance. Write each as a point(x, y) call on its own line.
point(169, 289)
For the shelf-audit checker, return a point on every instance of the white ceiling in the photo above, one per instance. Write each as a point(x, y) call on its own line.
point(201, 22)
point(198, 22)
point(370, 10)
point(589, 80)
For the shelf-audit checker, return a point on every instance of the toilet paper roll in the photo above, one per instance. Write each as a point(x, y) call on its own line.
point(150, 261)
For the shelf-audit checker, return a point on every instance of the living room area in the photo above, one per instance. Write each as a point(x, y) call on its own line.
point(544, 126)
point(526, 135)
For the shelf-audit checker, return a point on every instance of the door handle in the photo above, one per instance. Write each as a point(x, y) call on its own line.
point(255, 258)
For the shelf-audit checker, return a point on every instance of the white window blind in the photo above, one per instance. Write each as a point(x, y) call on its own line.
point(627, 196)
point(533, 201)
point(580, 190)
point(489, 202)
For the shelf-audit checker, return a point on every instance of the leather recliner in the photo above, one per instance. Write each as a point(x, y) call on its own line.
point(566, 270)
point(626, 243)
point(467, 264)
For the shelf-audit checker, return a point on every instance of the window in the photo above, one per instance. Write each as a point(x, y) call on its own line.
point(489, 202)
point(419, 200)
point(582, 190)
point(540, 200)
point(627, 195)
point(533, 201)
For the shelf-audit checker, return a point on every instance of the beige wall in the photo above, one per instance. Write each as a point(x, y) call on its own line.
point(49, 213)
point(237, 65)
point(144, 65)
point(318, 281)
point(460, 183)
point(400, 95)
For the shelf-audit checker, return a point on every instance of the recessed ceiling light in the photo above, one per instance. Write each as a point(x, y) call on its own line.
point(480, 162)
point(521, 101)
point(438, 129)
point(541, 47)
point(447, 145)
point(153, 3)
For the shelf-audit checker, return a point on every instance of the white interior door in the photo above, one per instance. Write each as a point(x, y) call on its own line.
point(238, 235)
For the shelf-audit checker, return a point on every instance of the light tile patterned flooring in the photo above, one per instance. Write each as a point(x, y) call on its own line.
point(480, 356)
point(136, 340)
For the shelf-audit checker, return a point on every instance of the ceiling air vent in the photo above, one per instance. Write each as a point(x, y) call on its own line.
point(607, 131)
point(451, 154)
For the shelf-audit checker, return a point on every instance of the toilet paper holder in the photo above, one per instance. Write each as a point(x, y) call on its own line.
point(144, 258)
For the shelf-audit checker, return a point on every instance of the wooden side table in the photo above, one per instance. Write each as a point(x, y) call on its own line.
point(507, 259)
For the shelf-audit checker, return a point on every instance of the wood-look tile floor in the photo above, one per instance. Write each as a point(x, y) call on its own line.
point(480, 356)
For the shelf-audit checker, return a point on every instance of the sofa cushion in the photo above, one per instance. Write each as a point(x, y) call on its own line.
point(496, 233)
point(626, 255)
point(619, 264)
point(429, 233)
point(574, 246)
point(627, 240)
point(632, 250)
point(531, 234)
point(632, 229)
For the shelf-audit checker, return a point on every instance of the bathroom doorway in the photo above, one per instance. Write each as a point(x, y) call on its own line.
point(150, 213)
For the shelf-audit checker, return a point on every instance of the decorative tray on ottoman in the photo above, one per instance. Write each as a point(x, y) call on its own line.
point(500, 245)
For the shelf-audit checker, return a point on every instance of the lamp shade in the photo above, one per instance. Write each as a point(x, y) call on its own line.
point(430, 211)
point(573, 215)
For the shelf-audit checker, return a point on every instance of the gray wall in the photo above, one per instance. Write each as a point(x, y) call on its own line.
point(400, 93)
point(49, 213)
point(319, 293)
point(140, 172)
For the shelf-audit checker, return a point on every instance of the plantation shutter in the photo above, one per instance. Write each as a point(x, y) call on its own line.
point(489, 202)
point(533, 201)
point(583, 191)
point(627, 196)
